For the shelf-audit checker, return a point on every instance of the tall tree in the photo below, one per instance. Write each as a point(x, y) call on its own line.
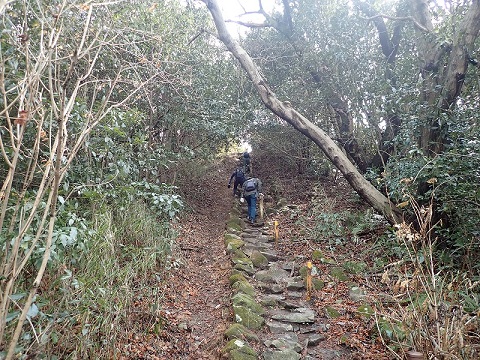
point(285, 111)
point(442, 64)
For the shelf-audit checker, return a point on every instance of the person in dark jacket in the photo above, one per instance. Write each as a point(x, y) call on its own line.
point(246, 163)
point(251, 190)
point(238, 178)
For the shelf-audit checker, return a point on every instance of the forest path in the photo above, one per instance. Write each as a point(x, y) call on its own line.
point(197, 293)
point(195, 306)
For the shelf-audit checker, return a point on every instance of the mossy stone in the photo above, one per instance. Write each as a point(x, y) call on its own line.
point(247, 269)
point(241, 355)
point(237, 272)
point(233, 225)
point(247, 301)
point(234, 219)
point(241, 259)
point(238, 331)
point(236, 277)
point(244, 287)
point(237, 349)
point(258, 259)
point(233, 244)
point(248, 318)
point(269, 302)
point(231, 236)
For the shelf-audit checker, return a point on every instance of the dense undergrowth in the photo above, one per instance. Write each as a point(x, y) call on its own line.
point(416, 299)
point(85, 298)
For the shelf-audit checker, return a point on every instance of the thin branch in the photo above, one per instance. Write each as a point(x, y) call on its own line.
point(403, 18)
point(201, 32)
point(250, 24)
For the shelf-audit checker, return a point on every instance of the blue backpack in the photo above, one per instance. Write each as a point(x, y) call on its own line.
point(250, 185)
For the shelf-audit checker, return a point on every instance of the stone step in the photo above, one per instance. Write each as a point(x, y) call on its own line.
point(292, 329)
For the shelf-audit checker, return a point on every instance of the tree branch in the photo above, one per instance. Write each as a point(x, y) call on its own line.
point(249, 24)
point(399, 18)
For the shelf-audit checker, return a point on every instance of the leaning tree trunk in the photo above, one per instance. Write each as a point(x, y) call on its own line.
point(363, 187)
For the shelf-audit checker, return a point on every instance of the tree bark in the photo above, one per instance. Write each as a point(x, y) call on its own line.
point(389, 45)
point(443, 66)
point(363, 187)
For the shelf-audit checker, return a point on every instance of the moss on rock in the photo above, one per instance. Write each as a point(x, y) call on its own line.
point(243, 287)
point(248, 318)
point(258, 259)
point(237, 277)
point(247, 269)
point(240, 258)
point(237, 349)
point(233, 244)
point(247, 301)
point(238, 331)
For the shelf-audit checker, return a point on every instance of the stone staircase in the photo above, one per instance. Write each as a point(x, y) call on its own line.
point(273, 320)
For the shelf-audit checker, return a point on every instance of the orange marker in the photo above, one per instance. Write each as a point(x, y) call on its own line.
point(275, 230)
point(309, 280)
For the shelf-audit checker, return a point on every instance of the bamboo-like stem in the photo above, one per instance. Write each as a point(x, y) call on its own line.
point(36, 284)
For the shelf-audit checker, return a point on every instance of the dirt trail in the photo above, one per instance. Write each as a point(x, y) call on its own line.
point(197, 307)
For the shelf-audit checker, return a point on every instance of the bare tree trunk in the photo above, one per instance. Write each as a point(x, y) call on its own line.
point(364, 188)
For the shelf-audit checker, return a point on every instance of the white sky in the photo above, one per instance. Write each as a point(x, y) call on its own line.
point(232, 8)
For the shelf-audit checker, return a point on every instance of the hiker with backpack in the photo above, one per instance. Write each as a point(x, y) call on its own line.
point(239, 177)
point(251, 190)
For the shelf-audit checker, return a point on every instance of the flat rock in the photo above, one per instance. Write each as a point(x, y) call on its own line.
point(281, 355)
point(300, 315)
point(270, 288)
point(277, 327)
point(273, 274)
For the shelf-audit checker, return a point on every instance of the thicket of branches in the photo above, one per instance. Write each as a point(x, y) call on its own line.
point(383, 90)
point(108, 109)
point(105, 109)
